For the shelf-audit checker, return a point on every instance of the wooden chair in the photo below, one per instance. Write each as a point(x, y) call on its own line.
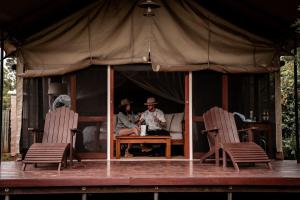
point(222, 134)
point(58, 139)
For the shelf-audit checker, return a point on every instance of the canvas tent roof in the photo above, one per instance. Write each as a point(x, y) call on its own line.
point(268, 18)
point(218, 45)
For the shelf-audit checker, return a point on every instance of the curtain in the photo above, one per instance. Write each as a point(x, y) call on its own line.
point(167, 85)
point(32, 116)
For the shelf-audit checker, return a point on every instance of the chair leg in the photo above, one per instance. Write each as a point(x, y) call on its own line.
point(269, 165)
point(206, 155)
point(236, 167)
point(76, 155)
point(24, 167)
point(217, 158)
point(65, 161)
point(59, 167)
point(224, 159)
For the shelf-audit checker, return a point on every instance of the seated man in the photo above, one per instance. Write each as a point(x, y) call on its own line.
point(155, 120)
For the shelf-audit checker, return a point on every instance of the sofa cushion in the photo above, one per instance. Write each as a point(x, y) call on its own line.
point(176, 136)
point(174, 122)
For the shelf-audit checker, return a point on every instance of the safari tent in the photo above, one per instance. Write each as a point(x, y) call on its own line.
point(188, 54)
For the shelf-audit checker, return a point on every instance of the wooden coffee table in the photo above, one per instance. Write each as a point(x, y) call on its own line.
point(143, 140)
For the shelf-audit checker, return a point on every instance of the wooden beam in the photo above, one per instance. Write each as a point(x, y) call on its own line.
point(92, 118)
point(197, 118)
point(187, 117)
point(112, 130)
point(225, 91)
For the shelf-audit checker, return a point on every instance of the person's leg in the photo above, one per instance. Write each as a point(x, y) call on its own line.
point(159, 149)
point(126, 132)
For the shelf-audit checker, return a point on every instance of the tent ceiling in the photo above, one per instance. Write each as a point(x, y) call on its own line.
point(267, 18)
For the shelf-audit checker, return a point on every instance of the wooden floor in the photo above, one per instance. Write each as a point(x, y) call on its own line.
point(148, 176)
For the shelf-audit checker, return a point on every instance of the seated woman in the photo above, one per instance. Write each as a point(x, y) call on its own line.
point(126, 123)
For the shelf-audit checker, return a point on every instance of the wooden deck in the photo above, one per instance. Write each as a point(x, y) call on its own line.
point(148, 176)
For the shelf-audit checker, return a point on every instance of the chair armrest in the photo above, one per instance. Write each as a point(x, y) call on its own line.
point(75, 131)
point(210, 130)
point(247, 129)
point(35, 131)
point(250, 132)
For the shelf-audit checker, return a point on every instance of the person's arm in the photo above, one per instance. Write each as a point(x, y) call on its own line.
point(142, 118)
point(137, 118)
point(124, 120)
point(161, 119)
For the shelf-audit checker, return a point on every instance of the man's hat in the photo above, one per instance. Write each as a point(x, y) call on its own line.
point(150, 101)
point(125, 102)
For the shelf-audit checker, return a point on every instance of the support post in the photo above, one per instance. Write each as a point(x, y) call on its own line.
point(156, 197)
point(296, 103)
point(229, 196)
point(84, 196)
point(187, 117)
point(1, 88)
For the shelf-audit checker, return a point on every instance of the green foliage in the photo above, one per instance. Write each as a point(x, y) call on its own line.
point(289, 147)
point(288, 107)
point(296, 24)
point(9, 81)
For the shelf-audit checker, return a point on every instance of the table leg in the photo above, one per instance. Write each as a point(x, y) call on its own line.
point(168, 149)
point(118, 151)
point(270, 142)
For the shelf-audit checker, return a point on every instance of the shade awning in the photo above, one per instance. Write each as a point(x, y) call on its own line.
point(182, 36)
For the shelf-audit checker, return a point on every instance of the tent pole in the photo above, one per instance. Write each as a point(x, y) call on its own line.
point(296, 102)
point(1, 88)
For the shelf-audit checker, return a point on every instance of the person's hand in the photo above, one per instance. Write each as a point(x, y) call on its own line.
point(141, 121)
point(139, 115)
point(156, 119)
point(139, 129)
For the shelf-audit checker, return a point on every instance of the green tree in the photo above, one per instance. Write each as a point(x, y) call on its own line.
point(288, 107)
point(9, 81)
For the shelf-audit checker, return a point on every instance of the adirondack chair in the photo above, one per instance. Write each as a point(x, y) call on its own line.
point(222, 134)
point(58, 139)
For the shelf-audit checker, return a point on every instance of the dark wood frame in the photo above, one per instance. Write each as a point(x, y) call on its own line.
point(112, 96)
point(97, 119)
point(187, 116)
point(186, 134)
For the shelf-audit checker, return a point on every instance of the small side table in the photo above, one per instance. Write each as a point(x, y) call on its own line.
point(143, 140)
point(266, 128)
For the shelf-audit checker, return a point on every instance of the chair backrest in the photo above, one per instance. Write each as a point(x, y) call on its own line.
point(58, 124)
point(224, 121)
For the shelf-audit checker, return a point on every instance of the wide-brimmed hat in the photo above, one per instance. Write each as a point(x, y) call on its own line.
point(125, 102)
point(150, 101)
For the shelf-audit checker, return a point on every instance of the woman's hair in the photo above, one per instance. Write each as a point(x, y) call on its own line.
point(122, 109)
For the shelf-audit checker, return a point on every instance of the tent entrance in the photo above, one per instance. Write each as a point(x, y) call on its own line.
point(89, 96)
point(137, 83)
